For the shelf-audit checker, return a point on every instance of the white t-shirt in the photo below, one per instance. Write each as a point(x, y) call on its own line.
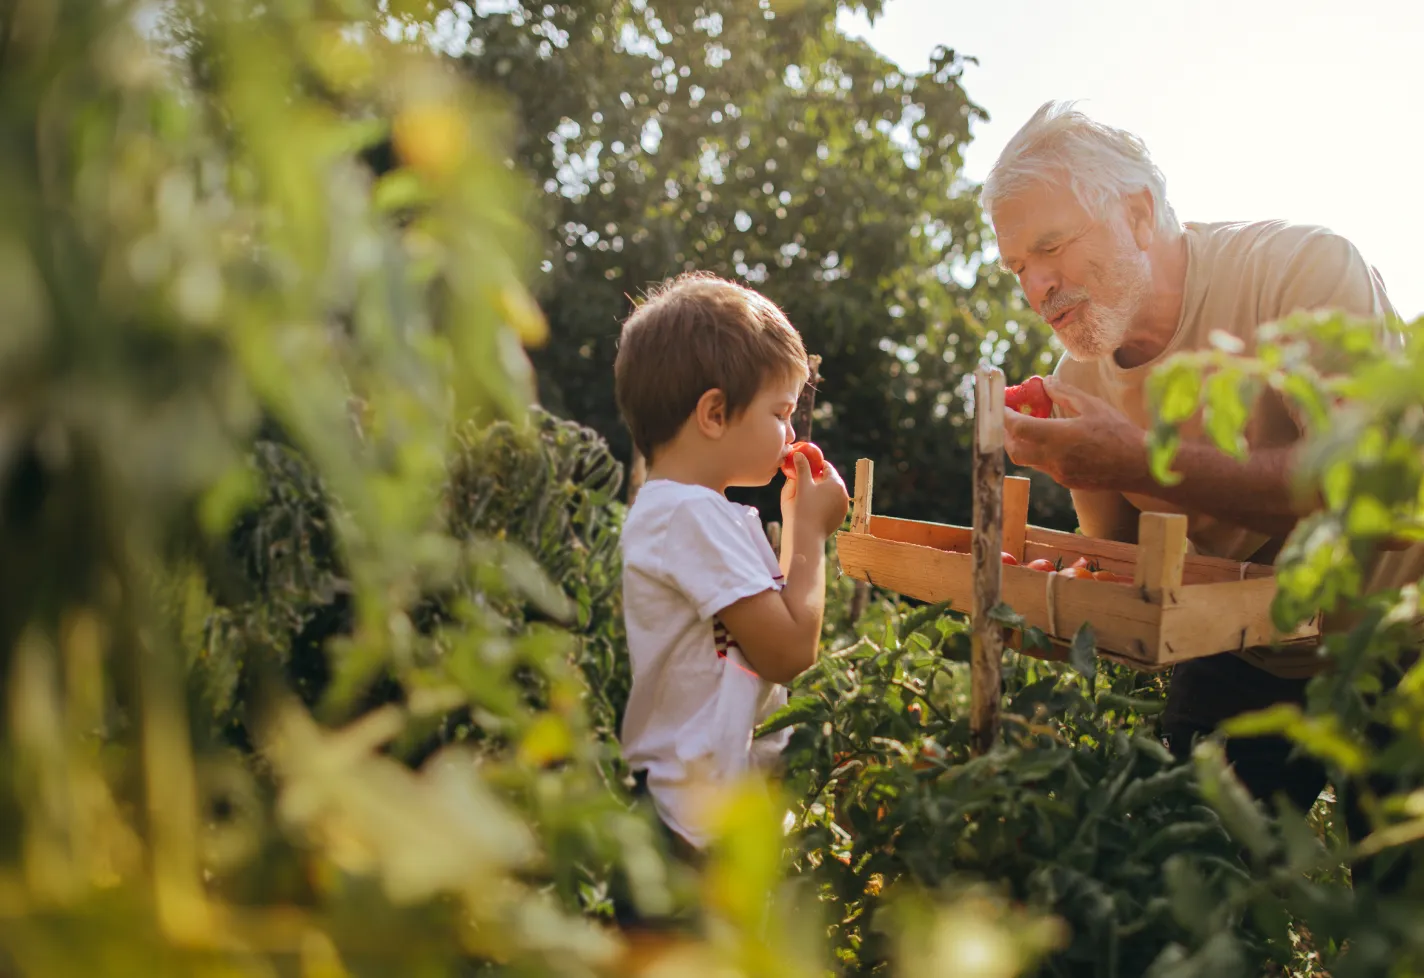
point(688, 553)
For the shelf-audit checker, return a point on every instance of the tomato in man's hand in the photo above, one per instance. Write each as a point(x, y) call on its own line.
point(814, 459)
point(1029, 398)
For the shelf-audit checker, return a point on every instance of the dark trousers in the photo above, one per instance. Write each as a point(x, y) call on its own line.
point(1204, 692)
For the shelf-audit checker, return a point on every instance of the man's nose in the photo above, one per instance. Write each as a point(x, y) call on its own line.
point(1038, 284)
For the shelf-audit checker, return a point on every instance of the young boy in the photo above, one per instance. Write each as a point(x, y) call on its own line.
point(707, 375)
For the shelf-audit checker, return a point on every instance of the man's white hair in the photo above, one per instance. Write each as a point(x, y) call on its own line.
point(1097, 162)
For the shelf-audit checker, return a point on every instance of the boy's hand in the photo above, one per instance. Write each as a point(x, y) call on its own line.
point(818, 503)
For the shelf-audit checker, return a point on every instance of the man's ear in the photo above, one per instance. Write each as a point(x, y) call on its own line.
point(1141, 217)
point(710, 415)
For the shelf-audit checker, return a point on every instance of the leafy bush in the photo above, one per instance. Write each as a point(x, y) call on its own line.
point(1076, 813)
point(1361, 403)
point(181, 265)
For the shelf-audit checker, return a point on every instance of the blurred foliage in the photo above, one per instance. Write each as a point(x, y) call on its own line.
point(751, 138)
point(301, 601)
point(184, 269)
point(1357, 388)
point(310, 622)
point(536, 501)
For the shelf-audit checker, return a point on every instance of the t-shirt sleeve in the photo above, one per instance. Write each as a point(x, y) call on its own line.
point(710, 555)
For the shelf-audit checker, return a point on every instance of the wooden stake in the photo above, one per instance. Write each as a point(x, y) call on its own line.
point(986, 547)
point(806, 404)
point(860, 523)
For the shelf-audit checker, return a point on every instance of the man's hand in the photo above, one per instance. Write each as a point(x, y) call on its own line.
point(1096, 447)
point(819, 505)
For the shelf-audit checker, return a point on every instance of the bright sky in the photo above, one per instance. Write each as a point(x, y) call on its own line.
point(1303, 110)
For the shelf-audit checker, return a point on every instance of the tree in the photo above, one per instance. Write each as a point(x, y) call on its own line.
point(755, 140)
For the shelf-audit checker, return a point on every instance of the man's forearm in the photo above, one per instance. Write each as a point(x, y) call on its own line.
point(1257, 494)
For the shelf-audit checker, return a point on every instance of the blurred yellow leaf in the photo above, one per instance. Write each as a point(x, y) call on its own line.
point(432, 138)
point(521, 312)
point(547, 740)
point(342, 63)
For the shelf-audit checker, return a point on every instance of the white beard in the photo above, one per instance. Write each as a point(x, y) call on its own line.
point(1099, 329)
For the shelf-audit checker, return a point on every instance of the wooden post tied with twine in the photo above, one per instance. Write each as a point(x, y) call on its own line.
point(986, 546)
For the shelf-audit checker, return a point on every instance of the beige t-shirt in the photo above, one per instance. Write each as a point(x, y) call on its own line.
point(1239, 277)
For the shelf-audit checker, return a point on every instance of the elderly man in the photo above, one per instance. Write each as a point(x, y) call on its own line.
point(1082, 219)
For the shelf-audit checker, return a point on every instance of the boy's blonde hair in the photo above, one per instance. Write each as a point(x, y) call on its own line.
point(694, 333)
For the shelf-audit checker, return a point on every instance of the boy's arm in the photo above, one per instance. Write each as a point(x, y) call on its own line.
point(779, 632)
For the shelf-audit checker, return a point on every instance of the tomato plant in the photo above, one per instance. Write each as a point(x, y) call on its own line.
point(1079, 812)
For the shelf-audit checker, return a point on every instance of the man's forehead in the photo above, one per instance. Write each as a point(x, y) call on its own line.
point(1033, 216)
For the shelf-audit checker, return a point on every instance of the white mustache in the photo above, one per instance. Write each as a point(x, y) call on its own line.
point(1060, 301)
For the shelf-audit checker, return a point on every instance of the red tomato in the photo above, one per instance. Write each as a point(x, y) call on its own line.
point(1029, 398)
point(1107, 575)
point(1042, 564)
point(1083, 562)
point(1007, 558)
point(813, 456)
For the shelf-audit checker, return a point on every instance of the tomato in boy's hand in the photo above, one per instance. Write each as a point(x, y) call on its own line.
point(1029, 398)
point(814, 459)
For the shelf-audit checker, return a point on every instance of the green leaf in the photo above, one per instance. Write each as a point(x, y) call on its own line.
point(1192, 902)
point(1083, 653)
point(1368, 518)
point(1307, 396)
point(1006, 616)
point(1162, 444)
point(1228, 392)
point(1239, 812)
point(1320, 736)
point(1175, 391)
point(800, 709)
point(1274, 922)
point(1035, 638)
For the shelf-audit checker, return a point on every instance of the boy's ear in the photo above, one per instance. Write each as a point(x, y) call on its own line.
point(710, 414)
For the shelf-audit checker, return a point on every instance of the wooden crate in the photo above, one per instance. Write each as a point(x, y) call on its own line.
point(1179, 606)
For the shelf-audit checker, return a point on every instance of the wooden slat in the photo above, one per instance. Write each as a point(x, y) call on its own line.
point(1123, 621)
point(941, 536)
point(1161, 551)
point(1224, 617)
point(1016, 489)
point(864, 486)
point(1116, 556)
point(923, 573)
